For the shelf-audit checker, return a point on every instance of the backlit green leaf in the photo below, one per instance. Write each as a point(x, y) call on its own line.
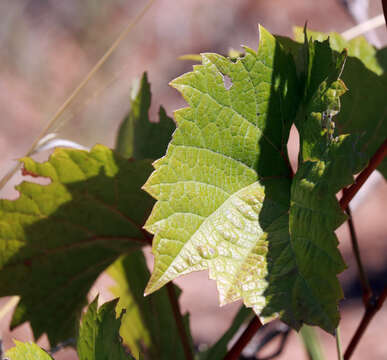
point(223, 187)
point(56, 239)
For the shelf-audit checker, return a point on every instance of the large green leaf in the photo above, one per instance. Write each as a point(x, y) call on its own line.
point(57, 239)
point(148, 325)
point(223, 187)
point(364, 105)
point(99, 334)
point(137, 136)
point(23, 351)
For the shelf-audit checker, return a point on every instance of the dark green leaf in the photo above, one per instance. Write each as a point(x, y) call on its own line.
point(57, 239)
point(364, 106)
point(326, 164)
point(99, 337)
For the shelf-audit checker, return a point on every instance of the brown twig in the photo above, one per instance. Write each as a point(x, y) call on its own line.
point(179, 321)
point(371, 309)
point(363, 176)
point(366, 288)
point(244, 339)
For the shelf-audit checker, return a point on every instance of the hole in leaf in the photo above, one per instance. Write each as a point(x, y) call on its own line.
point(227, 82)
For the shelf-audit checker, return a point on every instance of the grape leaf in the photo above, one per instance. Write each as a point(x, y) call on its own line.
point(223, 187)
point(137, 136)
point(23, 351)
point(326, 164)
point(57, 239)
point(99, 334)
point(146, 318)
point(364, 106)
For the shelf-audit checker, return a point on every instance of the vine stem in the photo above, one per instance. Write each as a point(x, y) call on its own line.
point(350, 192)
point(244, 339)
point(366, 288)
point(371, 309)
point(179, 321)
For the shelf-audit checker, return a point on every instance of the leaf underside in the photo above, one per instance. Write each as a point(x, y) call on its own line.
point(224, 191)
point(57, 239)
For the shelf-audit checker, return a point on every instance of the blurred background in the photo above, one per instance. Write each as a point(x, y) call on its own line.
point(48, 46)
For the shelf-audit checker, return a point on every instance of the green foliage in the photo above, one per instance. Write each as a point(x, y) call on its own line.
point(23, 351)
point(148, 326)
point(57, 239)
point(99, 334)
point(227, 201)
point(325, 166)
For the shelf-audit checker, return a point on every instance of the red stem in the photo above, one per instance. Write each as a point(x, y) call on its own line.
point(179, 321)
point(244, 339)
point(371, 309)
point(366, 288)
point(363, 176)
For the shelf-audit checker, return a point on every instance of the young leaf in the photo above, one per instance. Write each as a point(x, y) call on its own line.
point(23, 351)
point(223, 187)
point(99, 334)
point(146, 318)
point(364, 106)
point(138, 137)
point(57, 239)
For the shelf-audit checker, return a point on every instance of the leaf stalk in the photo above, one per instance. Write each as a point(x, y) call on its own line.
point(372, 308)
point(366, 288)
point(375, 161)
point(244, 339)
